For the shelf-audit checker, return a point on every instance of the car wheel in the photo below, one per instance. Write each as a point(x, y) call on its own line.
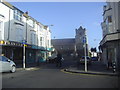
point(13, 69)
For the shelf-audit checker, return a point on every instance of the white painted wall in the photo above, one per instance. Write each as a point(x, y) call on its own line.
point(114, 26)
point(4, 10)
point(1, 28)
point(18, 32)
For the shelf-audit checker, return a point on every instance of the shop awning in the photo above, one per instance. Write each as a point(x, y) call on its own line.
point(50, 49)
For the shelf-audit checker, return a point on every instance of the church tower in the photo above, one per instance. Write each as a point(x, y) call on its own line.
point(79, 40)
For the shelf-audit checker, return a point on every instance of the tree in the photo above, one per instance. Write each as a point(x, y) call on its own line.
point(93, 50)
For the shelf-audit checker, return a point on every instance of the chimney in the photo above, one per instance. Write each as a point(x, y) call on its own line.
point(26, 12)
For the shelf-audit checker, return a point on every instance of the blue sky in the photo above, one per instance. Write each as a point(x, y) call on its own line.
point(67, 16)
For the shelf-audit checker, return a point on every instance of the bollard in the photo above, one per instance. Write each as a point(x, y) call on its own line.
point(114, 67)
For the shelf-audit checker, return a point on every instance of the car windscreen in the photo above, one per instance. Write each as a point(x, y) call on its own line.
point(2, 58)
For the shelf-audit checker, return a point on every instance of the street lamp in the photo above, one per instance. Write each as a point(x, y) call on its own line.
point(85, 42)
point(85, 53)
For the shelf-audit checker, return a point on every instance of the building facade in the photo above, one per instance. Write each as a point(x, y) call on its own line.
point(72, 46)
point(18, 28)
point(65, 46)
point(110, 44)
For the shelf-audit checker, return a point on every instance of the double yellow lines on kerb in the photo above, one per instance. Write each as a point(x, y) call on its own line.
point(62, 70)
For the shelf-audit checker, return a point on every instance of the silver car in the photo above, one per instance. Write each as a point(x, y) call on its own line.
point(82, 60)
point(7, 65)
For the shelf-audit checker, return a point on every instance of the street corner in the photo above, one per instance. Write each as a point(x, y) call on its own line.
point(74, 73)
point(70, 71)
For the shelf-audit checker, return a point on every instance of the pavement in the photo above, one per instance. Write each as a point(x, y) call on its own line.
point(30, 66)
point(97, 68)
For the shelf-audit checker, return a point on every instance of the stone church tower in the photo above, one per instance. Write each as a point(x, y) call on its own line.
point(79, 37)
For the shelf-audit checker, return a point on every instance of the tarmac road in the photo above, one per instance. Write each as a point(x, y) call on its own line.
point(51, 77)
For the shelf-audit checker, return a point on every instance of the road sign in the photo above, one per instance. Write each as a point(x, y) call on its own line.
point(25, 45)
point(23, 41)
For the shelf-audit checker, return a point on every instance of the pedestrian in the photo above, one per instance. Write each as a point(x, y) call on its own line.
point(58, 60)
point(110, 61)
point(38, 60)
point(2, 54)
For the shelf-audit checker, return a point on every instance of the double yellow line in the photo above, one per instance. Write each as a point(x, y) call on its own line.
point(62, 70)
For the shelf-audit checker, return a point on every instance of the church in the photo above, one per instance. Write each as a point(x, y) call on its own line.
point(72, 46)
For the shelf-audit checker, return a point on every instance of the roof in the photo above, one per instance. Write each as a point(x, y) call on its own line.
point(8, 4)
point(69, 41)
point(24, 14)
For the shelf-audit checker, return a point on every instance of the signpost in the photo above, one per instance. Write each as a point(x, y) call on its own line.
point(24, 44)
point(84, 41)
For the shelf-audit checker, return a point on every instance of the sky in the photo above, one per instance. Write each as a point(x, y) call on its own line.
point(68, 16)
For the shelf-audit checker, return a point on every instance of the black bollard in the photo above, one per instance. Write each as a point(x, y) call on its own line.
point(114, 67)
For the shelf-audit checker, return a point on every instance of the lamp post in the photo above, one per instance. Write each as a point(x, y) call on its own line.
point(85, 42)
point(85, 53)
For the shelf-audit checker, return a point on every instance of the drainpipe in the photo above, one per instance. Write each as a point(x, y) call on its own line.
point(26, 29)
point(9, 27)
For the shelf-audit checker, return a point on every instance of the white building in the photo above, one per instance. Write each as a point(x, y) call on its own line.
point(18, 28)
point(110, 44)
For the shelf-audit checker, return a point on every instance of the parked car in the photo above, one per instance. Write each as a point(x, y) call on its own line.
point(94, 58)
point(53, 57)
point(82, 60)
point(7, 65)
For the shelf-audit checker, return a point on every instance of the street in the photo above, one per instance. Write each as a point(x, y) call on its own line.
point(49, 76)
point(59, 45)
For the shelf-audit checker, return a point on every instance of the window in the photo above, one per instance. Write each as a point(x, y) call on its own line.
point(41, 40)
point(18, 15)
point(48, 43)
point(40, 27)
point(1, 27)
point(33, 38)
point(19, 34)
point(109, 19)
point(31, 23)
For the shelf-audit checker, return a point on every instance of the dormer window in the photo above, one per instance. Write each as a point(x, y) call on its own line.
point(31, 23)
point(18, 15)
